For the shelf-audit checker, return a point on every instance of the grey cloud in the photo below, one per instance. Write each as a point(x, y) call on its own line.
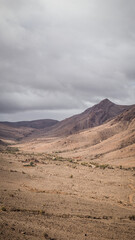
point(58, 55)
point(32, 101)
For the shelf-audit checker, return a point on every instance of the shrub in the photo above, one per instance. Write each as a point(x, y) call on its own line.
point(132, 217)
point(31, 164)
point(3, 209)
point(104, 166)
point(12, 150)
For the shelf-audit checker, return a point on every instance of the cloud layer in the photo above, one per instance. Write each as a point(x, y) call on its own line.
point(59, 57)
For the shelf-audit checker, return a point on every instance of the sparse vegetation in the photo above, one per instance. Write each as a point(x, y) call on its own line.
point(36, 211)
point(126, 168)
point(132, 217)
point(103, 166)
point(97, 165)
point(3, 209)
point(107, 217)
point(31, 164)
point(84, 164)
point(70, 160)
point(12, 150)
point(46, 236)
point(42, 212)
point(14, 209)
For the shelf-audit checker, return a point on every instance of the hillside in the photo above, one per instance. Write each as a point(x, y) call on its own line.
point(84, 179)
point(92, 117)
point(37, 124)
point(12, 133)
point(113, 142)
point(23, 129)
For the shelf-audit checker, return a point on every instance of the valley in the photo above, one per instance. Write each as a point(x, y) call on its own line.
point(61, 186)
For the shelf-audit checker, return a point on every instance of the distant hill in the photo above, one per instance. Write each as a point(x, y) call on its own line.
point(38, 124)
point(21, 130)
point(92, 117)
point(12, 133)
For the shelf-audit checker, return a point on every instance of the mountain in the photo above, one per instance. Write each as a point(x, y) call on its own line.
point(23, 129)
point(126, 116)
point(111, 143)
point(92, 117)
point(37, 124)
point(14, 133)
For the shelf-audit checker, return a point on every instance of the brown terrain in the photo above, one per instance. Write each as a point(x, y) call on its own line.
point(92, 117)
point(36, 124)
point(73, 180)
point(23, 129)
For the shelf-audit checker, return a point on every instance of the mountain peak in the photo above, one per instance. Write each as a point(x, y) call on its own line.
point(105, 101)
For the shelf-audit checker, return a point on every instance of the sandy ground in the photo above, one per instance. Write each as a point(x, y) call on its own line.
point(47, 197)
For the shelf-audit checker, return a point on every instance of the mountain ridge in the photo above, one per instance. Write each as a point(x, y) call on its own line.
point(38, 124)
point(94, 116)
point(91, 117)
point(110, 143)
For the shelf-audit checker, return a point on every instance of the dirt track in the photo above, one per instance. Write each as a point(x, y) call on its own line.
point(43, 197)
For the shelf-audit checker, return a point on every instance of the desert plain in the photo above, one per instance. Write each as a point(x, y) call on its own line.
point(45, 196)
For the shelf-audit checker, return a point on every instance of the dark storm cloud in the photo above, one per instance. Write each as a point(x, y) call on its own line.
point(58, 55)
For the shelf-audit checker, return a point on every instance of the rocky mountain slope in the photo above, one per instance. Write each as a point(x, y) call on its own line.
point(110, 143)
point(92, 117)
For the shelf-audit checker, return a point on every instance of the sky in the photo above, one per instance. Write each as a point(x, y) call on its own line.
point(59, 57)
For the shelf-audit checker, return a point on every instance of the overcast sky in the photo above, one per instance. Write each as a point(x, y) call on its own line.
point(59, 57)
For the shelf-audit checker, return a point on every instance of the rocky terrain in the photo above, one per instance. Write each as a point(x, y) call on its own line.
point(61, 186)
point(44, 196)
point(91, 117)
point(113, 142)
